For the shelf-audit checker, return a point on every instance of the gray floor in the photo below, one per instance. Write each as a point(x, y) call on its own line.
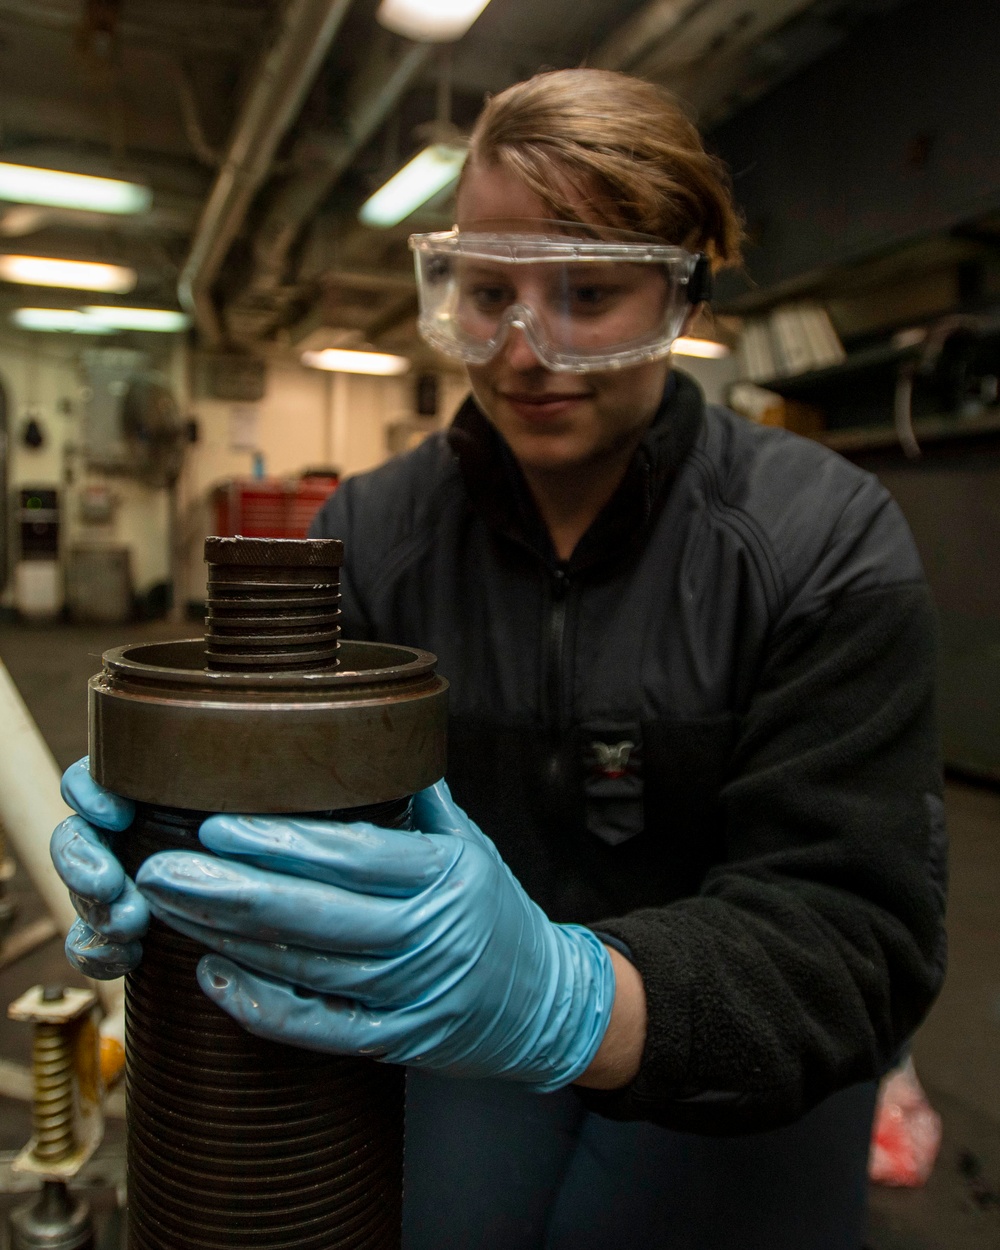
point(957, 1052)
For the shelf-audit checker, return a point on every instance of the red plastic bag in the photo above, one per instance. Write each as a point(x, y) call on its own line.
point(906, 1135)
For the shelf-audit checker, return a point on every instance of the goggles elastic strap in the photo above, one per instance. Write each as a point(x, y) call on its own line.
point(701, 282)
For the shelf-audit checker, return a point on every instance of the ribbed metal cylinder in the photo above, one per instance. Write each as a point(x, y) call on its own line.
point(234, 1141)
point(273, 604)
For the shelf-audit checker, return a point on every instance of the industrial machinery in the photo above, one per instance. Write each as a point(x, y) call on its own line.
point(233, 1141)
point(68, 1120)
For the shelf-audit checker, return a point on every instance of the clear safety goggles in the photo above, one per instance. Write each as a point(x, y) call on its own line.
point(585, 298)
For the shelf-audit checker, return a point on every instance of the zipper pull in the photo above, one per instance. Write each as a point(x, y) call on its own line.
point(560, 582)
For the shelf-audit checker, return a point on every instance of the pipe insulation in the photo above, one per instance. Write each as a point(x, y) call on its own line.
point(30, 803)
point(31, 807)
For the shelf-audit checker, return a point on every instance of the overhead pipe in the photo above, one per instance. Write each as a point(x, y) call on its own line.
point(275, 99)
point(193, 128)
point(373, 93)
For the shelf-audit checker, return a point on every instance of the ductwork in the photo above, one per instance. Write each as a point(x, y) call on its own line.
point(275, 99)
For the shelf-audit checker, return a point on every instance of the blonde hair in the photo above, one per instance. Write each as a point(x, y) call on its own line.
point(620, 145)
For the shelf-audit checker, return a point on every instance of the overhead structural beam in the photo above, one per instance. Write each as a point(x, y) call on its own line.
point(644, 30)
point(386, 73)
point(178, 27)
point(381, 280)
point(275, 98)
point(702, 49)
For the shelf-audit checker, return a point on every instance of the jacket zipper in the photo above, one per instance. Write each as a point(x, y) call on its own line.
point(555, 646)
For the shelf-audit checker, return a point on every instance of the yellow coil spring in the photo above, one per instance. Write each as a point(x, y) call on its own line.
point(53, 1072)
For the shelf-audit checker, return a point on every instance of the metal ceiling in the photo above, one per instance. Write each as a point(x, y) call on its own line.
point(261, 125)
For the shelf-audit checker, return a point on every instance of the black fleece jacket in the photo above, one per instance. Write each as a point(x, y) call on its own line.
point(709, 734)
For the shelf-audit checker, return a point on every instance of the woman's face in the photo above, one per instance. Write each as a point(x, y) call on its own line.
point(552, 421)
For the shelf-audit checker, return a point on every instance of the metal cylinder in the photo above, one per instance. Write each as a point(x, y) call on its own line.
point(232, 1140)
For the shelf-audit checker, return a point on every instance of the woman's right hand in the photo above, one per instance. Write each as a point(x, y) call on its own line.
point(106, 941)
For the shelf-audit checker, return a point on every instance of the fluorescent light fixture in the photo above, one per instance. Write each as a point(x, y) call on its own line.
point(338, 360)
point(25, 184)
point(79, 275)
point(97, 319)
point(437, 21)
point(59, 320)
point(430, 171)
point(708, 349)
point(157, 320)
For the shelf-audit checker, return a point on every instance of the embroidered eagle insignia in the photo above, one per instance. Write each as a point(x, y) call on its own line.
point(611, 758)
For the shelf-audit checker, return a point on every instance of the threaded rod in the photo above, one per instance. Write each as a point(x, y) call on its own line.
point(52, 1062)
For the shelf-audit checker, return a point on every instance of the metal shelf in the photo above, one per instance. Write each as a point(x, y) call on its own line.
point(797, 385)
point(932, 430)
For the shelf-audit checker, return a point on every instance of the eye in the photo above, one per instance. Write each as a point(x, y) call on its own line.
point(592, 296)
point(489, 297)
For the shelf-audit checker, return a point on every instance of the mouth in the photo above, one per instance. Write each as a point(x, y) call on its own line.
point(534, 405)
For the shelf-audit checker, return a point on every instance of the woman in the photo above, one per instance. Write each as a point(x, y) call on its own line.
point(691, 669)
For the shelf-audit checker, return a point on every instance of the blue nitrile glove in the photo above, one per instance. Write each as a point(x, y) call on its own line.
point(415, 948)
point(105, 942)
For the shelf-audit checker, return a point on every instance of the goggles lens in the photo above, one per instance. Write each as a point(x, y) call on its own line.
point(583, 304)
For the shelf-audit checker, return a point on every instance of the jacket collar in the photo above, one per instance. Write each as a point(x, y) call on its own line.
point(497, 489)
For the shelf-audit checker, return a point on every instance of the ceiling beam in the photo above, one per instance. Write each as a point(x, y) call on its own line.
point(645, 29)
point(176, 27)
point(700, 49)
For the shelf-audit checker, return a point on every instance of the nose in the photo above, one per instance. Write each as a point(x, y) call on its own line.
point(518, 353)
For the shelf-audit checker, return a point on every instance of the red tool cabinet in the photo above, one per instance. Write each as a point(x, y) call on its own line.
point(269, 507)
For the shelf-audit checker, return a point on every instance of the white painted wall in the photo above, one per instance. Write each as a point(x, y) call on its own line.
point(42, 378)
point(307, 418)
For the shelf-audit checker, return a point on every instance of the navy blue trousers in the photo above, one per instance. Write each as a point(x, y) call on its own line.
point(490, 1166)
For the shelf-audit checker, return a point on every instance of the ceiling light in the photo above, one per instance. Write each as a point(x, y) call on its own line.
point(59, 320)
point(430, 171)
point(78, 275)
point(708, 349)
point(338, 360)
point(24, 184)
point(157, 320)
point(437, 21)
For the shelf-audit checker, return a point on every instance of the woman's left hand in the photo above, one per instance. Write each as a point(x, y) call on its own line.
point(410, 947)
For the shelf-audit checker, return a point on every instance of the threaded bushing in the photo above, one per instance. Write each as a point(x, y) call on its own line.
point(273, 603)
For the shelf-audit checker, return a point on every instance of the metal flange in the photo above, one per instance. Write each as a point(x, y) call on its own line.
point(166, 731)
